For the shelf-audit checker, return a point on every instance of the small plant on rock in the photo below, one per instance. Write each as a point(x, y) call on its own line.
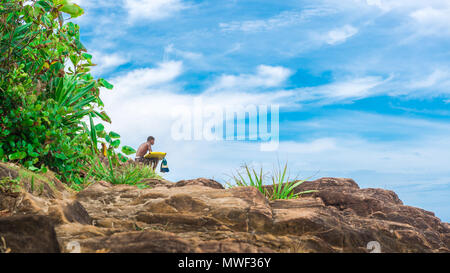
point(282, 186)
point(129, 174)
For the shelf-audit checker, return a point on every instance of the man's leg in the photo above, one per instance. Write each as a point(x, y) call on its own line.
point(148, 162)
point(154, 163)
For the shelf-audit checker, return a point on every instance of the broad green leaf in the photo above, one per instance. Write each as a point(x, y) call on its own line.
point(43, 169)
point(45, 5)
point(108, 139)
point(122, 157)
point(114, 135)
point(115, 143)
point(87, 56)
point(99, 127)
point(128, 150)
point(71, 28)
point(101, 134)
point(17, 156)
point(105, 83)
point(73, 9)
point(33, 168)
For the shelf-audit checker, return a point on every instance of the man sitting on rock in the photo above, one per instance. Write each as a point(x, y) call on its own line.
point(142, 151)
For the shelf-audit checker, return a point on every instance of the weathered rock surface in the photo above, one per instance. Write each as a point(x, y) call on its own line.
point(28, 234)
point(201, 216)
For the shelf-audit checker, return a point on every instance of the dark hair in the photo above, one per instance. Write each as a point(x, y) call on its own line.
point(150, 138)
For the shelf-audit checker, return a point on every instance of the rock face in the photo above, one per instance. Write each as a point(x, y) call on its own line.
point(28, 233)
point(201, 216)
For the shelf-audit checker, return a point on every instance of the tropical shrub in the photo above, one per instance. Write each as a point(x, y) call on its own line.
point(46, 90)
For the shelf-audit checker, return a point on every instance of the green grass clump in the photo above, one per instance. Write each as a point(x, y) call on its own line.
point(129, 174)
point(282, 186)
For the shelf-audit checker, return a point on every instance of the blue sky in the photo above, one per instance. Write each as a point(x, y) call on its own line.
point(363, 85)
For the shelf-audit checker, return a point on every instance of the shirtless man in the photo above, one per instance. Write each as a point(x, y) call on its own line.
point(142, 151)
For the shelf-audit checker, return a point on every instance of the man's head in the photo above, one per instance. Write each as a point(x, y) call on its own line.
point(151, 140)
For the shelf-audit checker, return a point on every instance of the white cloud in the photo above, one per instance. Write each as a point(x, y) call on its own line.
point(143, 100)
point(424, 84)
point(439, 78)
point(341, 90)
point(432, 21)
point(95, 3)
point(360, 123)
point(385, 5)
point(170, 49)
point(286, 18)
point(265, 77)
point(340, 35)
point(388, 5)
point(106, 62)
point(319, 145)
point(420, 17)
point(153, 9)
point(148, 77)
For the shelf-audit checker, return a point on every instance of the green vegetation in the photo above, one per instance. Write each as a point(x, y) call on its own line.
point(28, 181)
point(47, 92)
point(130, 174)
point(282, 186)
point(8, 184)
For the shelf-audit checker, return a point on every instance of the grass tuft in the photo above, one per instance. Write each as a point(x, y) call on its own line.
point(282, 185)
point(129, 174)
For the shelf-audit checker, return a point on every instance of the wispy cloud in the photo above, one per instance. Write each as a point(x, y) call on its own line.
point(153, 9)
point(439, 78)
point(171, 50)
point(341, 91)
point(286, 18)
point(340, 35)
point(405, 5)
point(265, 77)
point(359, 123)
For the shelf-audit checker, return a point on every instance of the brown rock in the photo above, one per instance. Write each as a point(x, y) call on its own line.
point(138, 242)
point(340, 217)
point(152, 182)
point(200, 182)
point(199, 215)
point(75, 212)
point(28, 234)
point(7, 171)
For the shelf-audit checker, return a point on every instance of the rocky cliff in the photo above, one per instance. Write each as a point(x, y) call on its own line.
point(42, 215)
